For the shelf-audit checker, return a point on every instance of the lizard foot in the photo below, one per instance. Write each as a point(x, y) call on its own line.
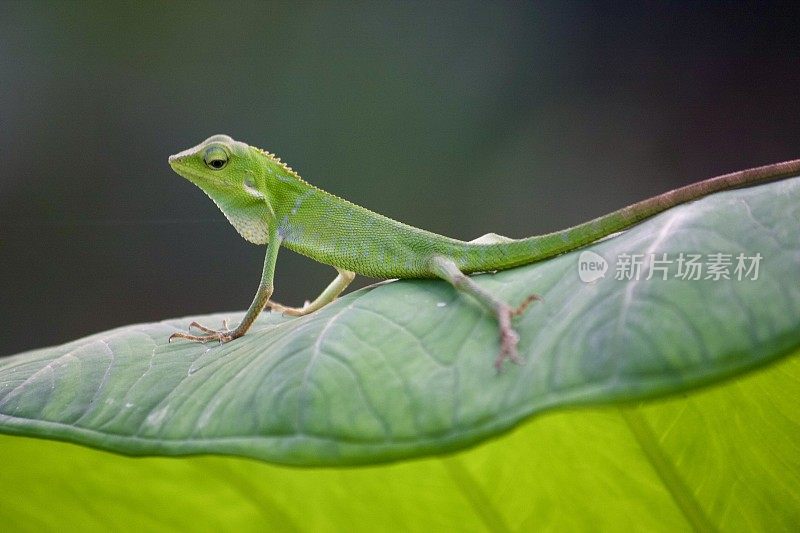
point(223, 335)
point(508, 348)
point(285, 310)
point(508, 337)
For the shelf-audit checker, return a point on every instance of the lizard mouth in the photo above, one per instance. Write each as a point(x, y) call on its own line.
point(178, 164)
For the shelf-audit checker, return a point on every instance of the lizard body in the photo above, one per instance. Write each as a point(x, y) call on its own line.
point(268, 203)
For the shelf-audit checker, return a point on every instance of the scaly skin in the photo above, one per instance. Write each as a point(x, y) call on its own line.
point(268, 203)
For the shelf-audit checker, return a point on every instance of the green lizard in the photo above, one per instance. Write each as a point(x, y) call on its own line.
point(268, 203)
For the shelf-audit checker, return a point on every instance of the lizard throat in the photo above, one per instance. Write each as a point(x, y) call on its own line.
point(250, 228)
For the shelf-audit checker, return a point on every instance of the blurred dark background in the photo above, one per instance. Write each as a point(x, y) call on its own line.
point(462, 118)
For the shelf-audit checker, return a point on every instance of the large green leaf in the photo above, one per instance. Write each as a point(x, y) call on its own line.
point(725, 457)
point(405, 369)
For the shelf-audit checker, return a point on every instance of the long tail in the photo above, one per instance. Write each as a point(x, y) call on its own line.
point(520, 252)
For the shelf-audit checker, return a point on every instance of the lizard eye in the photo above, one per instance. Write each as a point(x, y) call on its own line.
point(215, 158)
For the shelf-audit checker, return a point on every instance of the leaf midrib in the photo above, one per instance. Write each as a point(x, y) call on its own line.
point(663, 467)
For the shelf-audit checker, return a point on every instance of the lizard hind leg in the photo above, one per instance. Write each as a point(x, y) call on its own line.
point(331, 292)
point(447, 269)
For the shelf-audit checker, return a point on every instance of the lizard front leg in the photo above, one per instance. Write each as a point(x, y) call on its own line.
point(330, 293)
point(259, 301)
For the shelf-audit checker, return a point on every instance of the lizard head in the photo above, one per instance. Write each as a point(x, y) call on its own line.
point(227, 172)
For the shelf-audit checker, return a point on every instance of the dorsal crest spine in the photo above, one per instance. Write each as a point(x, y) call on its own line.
point(283, 165)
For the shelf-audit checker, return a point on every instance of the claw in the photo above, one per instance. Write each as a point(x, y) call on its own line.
point(524, 305)
point(201, 327)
